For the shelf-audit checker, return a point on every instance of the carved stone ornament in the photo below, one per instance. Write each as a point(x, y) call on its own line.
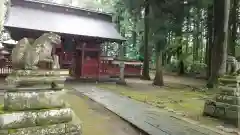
point(27, 56)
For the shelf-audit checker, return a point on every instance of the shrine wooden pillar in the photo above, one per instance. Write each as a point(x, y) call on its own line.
point(82, 57)
point(99, 62)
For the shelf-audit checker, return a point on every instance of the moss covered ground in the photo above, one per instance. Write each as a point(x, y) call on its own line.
point(1, 108)
point(182, 101)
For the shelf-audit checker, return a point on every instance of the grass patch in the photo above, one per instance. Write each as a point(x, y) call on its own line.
point(181, 101)
point(1, 108)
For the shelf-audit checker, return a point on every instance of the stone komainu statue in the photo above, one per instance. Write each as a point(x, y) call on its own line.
point(233, 66)
point(27, 56)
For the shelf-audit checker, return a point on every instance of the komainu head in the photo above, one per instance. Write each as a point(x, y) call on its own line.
point(54, 38)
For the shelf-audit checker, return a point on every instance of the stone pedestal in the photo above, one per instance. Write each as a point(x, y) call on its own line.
point(226, 104)
point(32, 105)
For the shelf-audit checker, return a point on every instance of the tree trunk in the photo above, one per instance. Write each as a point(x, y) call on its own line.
point(179, 23)
point(179, 53)
point(168, 53)
point(118, 27)
point(202, 45)
point(107, 47)
point(209, 39)
point(197, 41)
point(158, 80)
point(233, 27)
point(219, 52)
point(188, 30)
point(124, 47)
point(145, 72)
point(134, 33)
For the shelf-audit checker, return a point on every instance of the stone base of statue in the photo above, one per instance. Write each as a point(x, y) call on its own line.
point(226, 104)
point(32, 105)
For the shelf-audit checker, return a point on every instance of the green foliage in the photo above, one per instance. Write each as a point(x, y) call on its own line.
point(134, 6)
point(172, 67)
point(173, 24)
point(190, 66)
point(197, 67)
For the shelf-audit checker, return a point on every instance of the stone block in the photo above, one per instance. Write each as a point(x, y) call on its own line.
point(17, 101)
point(36, 93)
point(15, 81)
point(18, 120)
point(220, 112)
point(40, 88)
point(209, 107)
point(70, 127)
point(230, 85)
point(233, 115)
point(73, 133)
point(236, 77)
point(56, 116)
point(59, 72)
point(234, 100)
point(3, 132)
point(229, 91)
point(228, 80)
point(58, 129)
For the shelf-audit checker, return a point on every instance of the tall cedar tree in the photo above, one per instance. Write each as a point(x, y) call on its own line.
point(219, 48)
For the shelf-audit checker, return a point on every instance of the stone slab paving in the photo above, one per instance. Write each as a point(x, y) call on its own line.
point(150, 119)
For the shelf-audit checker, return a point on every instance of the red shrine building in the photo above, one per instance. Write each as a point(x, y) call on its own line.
point(82, 31)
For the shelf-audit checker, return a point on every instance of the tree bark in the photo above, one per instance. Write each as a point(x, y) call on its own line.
point(134, 33)
point(168, 53)
point(145, 72)
point(179, 23)
point(219, 52)
point(188, 30)
point(197, 41)
point(233, 20)
point(124, 47)
point(158, 80)
point(209, 39)
point(107, 47)
point(118, 27)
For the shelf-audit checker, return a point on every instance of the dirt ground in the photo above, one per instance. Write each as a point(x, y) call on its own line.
point(96, 119)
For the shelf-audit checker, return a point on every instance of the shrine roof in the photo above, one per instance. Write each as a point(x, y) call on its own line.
point(48, 17)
